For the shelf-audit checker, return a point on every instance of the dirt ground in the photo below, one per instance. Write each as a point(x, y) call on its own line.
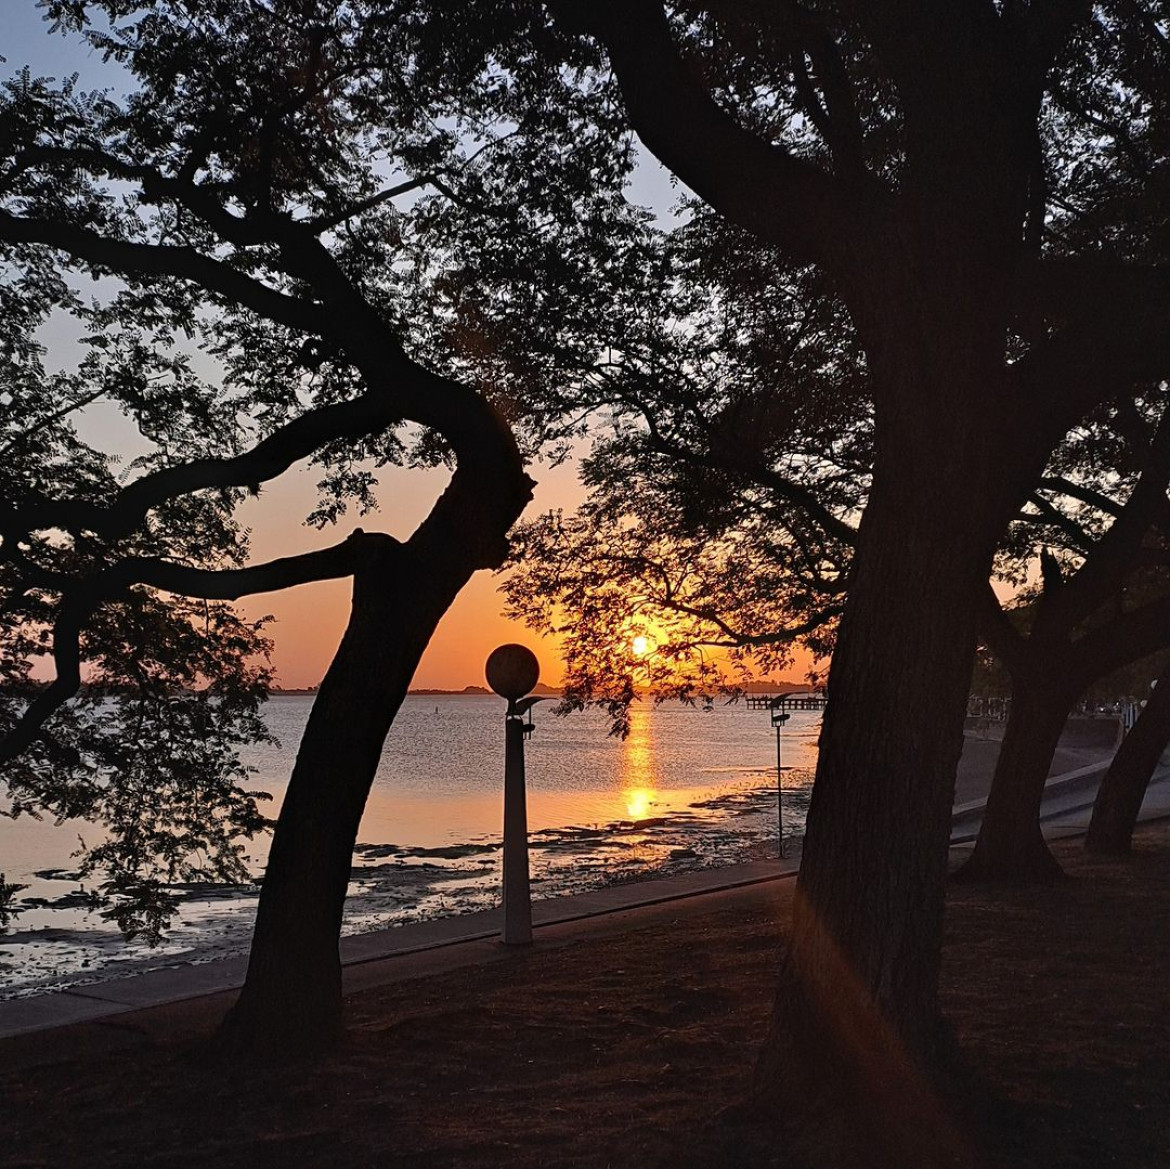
point(624, 1049)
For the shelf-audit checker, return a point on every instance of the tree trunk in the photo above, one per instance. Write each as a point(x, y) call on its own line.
point(291, 999)
point(291, 1002)
point(1010, 847)
point(1123, 789)
point(856, 1035)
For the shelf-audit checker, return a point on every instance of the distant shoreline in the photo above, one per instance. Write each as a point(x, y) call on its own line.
point(544, 690)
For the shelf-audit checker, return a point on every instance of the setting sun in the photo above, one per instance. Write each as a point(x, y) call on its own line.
point(641, 646)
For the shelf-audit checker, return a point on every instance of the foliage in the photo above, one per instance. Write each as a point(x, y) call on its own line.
point(730, 459)
point(148, 751)
point(267, 231)
point(8, 907)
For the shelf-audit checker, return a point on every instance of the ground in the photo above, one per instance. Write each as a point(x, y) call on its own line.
point(623, 1043)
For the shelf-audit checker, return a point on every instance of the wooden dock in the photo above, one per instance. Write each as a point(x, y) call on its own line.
point(786, 701)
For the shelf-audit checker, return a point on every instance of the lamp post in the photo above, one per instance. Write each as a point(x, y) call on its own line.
point(779, 718)
point(511, 672)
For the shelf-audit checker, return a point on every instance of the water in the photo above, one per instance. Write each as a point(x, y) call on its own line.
point(688, 788)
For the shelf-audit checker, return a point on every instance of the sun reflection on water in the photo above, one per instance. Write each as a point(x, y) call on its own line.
point(639, 801)
point(639, 778)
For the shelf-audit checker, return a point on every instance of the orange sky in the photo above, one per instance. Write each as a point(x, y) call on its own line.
point(310, 619)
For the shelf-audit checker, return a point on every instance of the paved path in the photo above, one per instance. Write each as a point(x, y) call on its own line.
point(423, 948)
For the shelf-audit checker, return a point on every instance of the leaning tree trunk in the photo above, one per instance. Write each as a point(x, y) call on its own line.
point(291, 1002)
point(292, 996)
point(1010, 847)
point(1123, 790)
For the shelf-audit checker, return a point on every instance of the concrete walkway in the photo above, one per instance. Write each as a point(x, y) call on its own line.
point(427, 947)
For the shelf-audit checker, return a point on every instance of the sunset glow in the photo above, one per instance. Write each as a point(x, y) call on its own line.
point(639, 801)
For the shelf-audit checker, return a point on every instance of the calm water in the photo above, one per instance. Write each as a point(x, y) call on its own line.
point(688, 788)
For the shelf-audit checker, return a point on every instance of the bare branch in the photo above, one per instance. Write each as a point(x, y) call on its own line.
point(340, 560)
point(271, 457)
point(325, 222)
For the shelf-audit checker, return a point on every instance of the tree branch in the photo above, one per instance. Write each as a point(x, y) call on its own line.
point(1004, 639)
point(1110, 559)
point(1079, 491)
point(760, 186)
point(271, 457)
point(78, 603)
point(148, 260)
point(1097, 323)
point(76, 609)
point(1125, 639)
point(345, 559)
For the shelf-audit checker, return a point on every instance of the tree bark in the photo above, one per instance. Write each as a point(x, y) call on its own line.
point(1119, 800)
point(856, 1036)
point(291, 1002)
point(1010, 847)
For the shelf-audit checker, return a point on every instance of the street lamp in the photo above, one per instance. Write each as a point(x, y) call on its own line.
point(512, 671)
point(779, 718)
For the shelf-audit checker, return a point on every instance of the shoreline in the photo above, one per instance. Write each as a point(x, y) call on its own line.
point(396, 886)
point(1068, 816)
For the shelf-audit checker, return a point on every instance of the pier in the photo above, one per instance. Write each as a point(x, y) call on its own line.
point(786, 701)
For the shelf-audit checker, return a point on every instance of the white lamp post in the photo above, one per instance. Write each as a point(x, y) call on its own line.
point(512, 671)
point(779, 718)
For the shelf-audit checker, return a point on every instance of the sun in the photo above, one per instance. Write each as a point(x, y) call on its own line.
point(641, 646)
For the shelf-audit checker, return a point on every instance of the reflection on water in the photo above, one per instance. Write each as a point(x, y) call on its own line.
point(639, 801)
point(688, 788)
point(637, 766)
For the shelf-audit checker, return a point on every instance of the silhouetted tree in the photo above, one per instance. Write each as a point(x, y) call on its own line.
point(1101, 604)
point(725, 476)
point(1123, 789)
point(980, 186)
point(264, 188)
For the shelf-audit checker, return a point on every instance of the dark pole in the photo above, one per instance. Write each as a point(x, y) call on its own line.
point(779, 718)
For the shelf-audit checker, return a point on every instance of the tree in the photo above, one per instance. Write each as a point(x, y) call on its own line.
point(265, 189)
point(1102, 605)
point(730, 455)
point(998, 253)
point(1123, 789)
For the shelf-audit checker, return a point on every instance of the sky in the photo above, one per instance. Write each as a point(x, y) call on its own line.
point(309, 620)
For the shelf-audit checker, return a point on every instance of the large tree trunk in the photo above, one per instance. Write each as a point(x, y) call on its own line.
point(1119, 800)
point(858, 1055)
point(1010, 846)
point(291, 1002)
point(856, 1034)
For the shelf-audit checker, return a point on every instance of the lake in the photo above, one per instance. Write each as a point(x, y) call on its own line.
point(688, 788)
